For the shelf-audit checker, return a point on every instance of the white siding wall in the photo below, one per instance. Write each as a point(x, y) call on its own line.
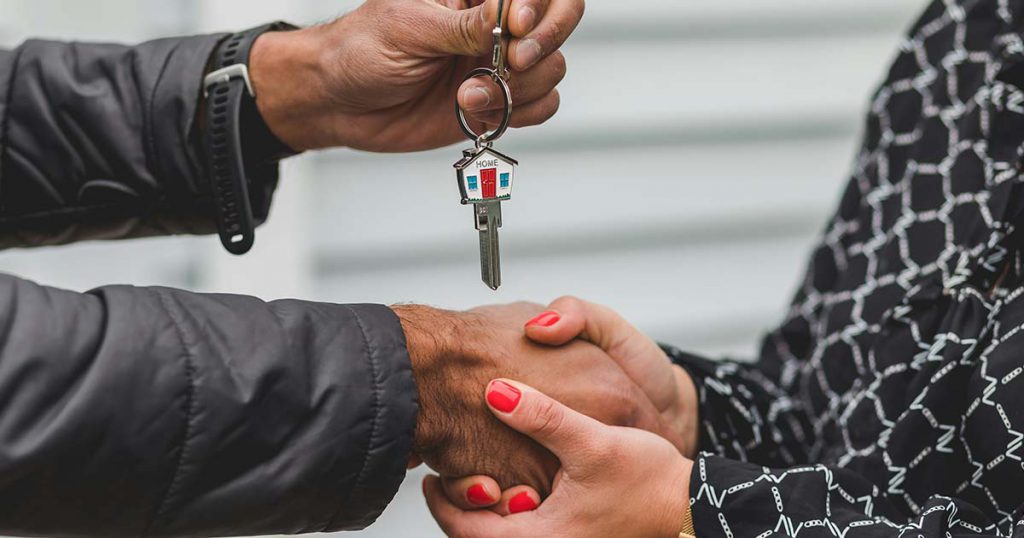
point(700, 147)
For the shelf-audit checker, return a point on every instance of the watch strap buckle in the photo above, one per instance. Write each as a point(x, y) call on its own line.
point(227, 74)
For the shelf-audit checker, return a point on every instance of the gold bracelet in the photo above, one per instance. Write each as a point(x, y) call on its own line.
point(688, 530)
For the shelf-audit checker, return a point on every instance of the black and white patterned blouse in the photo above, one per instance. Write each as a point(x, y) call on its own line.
point(891, 400)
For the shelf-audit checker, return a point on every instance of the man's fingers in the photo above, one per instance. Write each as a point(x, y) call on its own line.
point(472, 492)
point(467, 32)
point(554, 28)
point(537, 112)
point(482, 94)
point(526, 115)
point(457, 522)
point(558, 428)
point(459, 32)
point(524, 16)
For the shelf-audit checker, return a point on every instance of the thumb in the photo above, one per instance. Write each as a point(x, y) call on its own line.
point(639, 356)
point(558, 428)
point(569, 318)
point(461, 32)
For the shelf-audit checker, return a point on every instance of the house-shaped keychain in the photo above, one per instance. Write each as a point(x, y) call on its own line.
point(485, 176)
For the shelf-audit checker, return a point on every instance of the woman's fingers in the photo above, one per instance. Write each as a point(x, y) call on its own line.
point(479, 95)
point(516, 500)
point(566, 433)
point(668, 388)
point(457, 522)
point(472, 492)
point(476, 492)
point(557, 326)
point(639, 356)
point(597, 324)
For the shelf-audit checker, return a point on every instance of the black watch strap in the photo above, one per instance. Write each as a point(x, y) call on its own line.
point(227, 89)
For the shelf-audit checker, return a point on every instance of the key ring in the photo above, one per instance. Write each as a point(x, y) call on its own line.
point(498, 72)
point(506, 94)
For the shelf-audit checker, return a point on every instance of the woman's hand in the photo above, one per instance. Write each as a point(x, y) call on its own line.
point(385, 77)
point(613, 481)
point(668, 386)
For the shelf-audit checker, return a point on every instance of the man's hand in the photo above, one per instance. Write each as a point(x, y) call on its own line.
point(385, 77)
point(455, 355)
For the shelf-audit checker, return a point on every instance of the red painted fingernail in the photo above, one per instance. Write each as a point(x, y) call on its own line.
point(478, 495)
point(503, 397)
point(521, 503)
point(546, 319)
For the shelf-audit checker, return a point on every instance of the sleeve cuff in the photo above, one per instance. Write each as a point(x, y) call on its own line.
point(699, 370)
point(396, 403)
point(174, 140)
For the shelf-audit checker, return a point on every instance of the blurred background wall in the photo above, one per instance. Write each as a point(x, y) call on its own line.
point(700, 147)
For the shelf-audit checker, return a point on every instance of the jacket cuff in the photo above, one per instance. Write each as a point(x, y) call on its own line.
point(393, 424)
point(175, 139)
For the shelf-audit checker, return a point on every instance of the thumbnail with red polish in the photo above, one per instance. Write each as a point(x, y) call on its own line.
point(503, 397)
point(546, 319)
point(522, 502)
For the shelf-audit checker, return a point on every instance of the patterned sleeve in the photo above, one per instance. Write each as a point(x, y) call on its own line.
point(736, 499)
point(746, 413)
point(747, 416)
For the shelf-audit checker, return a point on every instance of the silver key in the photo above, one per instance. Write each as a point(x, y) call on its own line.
point(485, 175)
point(485, 180)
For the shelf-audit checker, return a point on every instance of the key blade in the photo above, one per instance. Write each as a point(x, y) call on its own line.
point(488, 220)
point(490, 258)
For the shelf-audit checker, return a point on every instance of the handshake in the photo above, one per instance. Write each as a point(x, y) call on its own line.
point(570, 406)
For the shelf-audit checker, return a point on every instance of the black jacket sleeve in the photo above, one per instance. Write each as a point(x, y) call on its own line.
point(155, 412)
point(102, 142)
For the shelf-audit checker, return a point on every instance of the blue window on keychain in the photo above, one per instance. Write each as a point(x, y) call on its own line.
point(504, 181)
point(472, 183)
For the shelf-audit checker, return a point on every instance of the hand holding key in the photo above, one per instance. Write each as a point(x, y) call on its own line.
point(383, 77)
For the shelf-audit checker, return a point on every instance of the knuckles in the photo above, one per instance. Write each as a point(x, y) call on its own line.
point(560, 66)
point(545, 418)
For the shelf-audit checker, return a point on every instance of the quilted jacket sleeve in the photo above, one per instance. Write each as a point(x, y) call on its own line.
point(101, 142)
point(155, 412)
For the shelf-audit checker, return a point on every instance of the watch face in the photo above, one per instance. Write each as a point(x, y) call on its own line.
point(485, 176)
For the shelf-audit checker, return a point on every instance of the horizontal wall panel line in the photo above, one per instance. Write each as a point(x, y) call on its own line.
point(744, 330)
point(812, 26)
point(784, 224)
point(659, 135)
point(664, 134)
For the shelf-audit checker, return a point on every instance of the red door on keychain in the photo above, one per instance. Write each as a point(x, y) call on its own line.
point(489, 182)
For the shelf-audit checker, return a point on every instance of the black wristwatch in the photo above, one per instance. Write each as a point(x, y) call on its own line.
point(236, 135)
